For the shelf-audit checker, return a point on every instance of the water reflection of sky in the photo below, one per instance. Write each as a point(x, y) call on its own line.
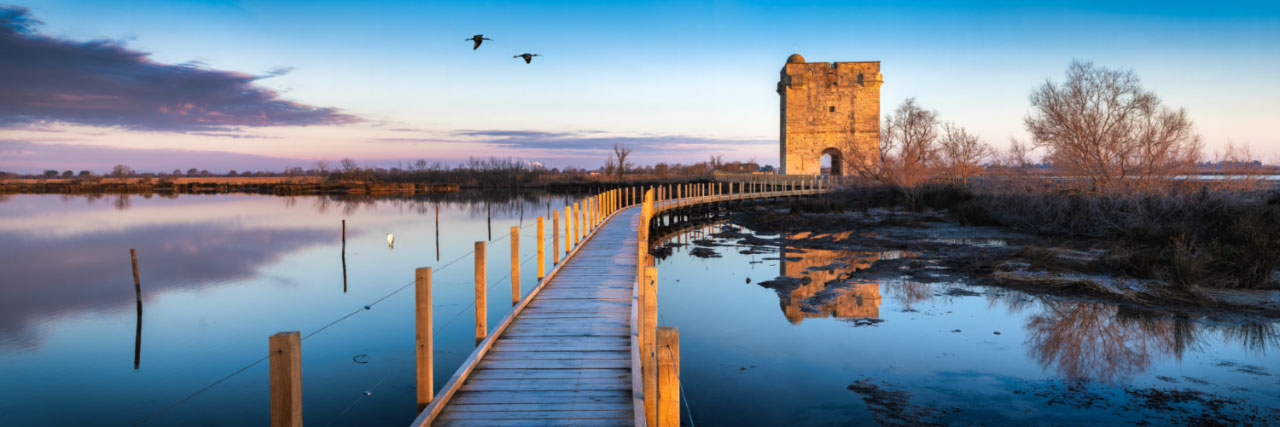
point(220, 274)
point(973, 358)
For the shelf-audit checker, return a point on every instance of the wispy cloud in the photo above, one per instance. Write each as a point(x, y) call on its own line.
point(29, 157)
point(593, 141)
point(103, 83)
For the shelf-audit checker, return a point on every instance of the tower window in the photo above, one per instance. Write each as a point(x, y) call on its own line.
point(831, 109)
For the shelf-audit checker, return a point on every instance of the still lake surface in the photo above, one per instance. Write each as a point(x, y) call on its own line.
point(220, 273)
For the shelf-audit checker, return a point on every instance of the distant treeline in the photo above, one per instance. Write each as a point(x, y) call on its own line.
point(348, 176)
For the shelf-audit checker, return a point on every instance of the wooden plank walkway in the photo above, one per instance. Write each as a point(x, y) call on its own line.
point(570, 352)
point(566, 359)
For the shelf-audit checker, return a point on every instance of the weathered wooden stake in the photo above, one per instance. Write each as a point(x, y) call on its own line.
point(137, 294)
point(344, 233)
point(482, 310)
point(137, 283)
point(515, 265)
point(286, 379)
point(422, 295)
point(668, 343)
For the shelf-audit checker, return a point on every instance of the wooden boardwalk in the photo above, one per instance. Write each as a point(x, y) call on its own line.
point(566, 359)
point(570, 353)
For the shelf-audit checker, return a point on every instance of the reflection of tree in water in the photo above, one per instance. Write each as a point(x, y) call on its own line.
point(1090, 340)
point(908, 291)
point(1256, 337)
point(122, 202)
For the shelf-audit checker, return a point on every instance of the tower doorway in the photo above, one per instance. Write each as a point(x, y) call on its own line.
point(832, 162)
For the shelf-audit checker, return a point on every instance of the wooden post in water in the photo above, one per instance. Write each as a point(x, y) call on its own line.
point(577, 225)
point(482, 310)
point(344, 233)
point(422, 297)
point(137, 294)
point(668, 343)
point(137, 283)
point(568, 218)
point(515, 265)
point(648, 360)
point(285, 355)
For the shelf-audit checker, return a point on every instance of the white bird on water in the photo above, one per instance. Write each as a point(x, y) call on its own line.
point(391, 240)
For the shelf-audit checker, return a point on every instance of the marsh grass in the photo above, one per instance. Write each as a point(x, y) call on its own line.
point(1188, 235)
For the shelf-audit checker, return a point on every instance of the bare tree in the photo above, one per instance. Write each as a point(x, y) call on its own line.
point(907, 152)
point(620, 154)
point(1239, 167)
point(348, 164)
point(962, 153)
point(716, 162)
point(323, 166)
point(1102, 125)
point(121, 171)
point(611, 168)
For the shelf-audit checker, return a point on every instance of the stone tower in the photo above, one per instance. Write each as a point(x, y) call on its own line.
point(827, 108)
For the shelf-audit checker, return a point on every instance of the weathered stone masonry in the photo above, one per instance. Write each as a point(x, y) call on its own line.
point(826, 108)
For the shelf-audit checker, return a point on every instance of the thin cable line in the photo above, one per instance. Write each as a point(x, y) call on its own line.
point(363, 395)
point(149, 417)
point(335, 322)
point(384, 377)
point(308, 335)
point(683, 396)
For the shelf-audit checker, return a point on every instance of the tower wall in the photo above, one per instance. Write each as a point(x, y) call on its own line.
point(828, 105)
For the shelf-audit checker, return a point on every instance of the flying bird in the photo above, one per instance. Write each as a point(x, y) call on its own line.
point(478, 38)
point(391, 240)
point(528, 57)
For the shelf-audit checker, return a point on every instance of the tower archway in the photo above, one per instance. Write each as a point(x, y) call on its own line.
point(832, 162)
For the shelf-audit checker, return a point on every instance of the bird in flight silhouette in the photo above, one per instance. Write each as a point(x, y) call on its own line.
point(528, 57)
point(478, 38)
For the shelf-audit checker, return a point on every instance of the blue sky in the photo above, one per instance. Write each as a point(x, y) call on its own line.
point(676, 80)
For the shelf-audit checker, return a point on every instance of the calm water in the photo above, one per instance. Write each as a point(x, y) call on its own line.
point(219, 275)
point(941, 352)
point(222, 273)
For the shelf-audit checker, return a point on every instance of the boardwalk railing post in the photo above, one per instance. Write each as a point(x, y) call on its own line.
point(482, 310)
point(286, 379)
point(577, 225)
point(515, 265)
point(555, 238)
point(542, 245)
point(668, 343)
point(648, 359)
point(422, 295)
